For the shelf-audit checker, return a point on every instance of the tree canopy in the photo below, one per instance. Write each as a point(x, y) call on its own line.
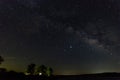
point(1, 59)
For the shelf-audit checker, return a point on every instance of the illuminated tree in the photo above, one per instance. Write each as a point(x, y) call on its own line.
point(31, 69)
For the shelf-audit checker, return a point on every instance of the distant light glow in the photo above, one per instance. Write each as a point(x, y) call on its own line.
point(40, 73)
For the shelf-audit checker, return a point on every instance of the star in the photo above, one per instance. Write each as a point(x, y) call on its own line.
point(71, 46)
point(111, 54)
point(65, 50)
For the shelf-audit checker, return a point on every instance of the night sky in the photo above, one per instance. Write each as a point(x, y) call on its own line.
point(71, 36)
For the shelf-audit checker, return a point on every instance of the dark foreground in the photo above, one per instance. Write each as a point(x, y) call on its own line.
point(20, 76)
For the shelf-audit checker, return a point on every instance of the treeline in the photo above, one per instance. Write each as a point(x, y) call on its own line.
point(43, 70)
point(32, 69)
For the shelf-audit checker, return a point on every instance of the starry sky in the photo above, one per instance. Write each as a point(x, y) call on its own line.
point(71, 36)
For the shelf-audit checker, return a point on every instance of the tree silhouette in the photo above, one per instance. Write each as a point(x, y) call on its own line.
point(31, 69)
point(45, 71)
point(49, 71)
point(1, 59)
point(41, 69)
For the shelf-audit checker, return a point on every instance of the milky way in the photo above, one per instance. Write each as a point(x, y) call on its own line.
point(82, 35)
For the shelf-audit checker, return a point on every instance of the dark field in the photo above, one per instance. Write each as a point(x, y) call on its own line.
point(21, 76)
